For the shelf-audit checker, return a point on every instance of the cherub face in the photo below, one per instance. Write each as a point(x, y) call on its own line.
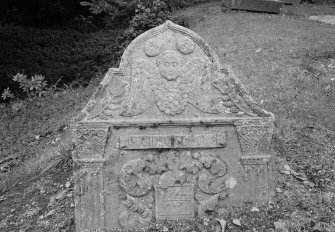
point(170, 65)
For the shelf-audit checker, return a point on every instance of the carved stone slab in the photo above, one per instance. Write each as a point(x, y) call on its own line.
point(291, 2)
point(270, 6)
point(170, 134)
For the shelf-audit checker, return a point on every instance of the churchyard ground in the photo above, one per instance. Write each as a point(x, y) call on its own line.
point(287, 64)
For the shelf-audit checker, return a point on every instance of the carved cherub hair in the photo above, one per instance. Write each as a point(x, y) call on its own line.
point(167, 53)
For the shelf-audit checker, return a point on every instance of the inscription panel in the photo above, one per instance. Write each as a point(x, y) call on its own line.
point(135, 142)
point(174, 203)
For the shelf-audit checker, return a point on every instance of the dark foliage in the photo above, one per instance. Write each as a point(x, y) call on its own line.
point(178, 4)
point(76, 51)
point(65, 54)
point(147, 15)
point(40, 12)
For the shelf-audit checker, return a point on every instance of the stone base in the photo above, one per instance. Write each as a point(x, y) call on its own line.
point(254, 5)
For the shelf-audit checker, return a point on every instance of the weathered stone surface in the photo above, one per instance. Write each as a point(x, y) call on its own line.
point(270, 6)
point(170, 134)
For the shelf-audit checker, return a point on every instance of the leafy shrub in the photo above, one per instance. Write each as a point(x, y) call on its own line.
point(112, 8)
point(111, 13)
point(147, 16)
point(35, 86)
point(7, 94)
point(178, 4)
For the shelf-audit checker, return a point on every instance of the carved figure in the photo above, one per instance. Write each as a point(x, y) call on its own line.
point(172, 81)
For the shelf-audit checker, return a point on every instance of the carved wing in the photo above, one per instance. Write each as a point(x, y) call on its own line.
point(234, 96)
point(140, 97)
point(107, 100)
point(198, 71)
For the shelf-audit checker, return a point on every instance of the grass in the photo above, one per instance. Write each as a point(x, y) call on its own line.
point(286, 62)
point(35, 132)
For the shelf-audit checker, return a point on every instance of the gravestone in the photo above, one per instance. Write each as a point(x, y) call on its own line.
point(270, 6)
point(291, 2)
point(170, 134)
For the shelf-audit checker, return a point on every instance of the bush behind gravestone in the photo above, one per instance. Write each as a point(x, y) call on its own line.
point(40, 12)
point(65, 54)
point(146, 16)
point(70, 54)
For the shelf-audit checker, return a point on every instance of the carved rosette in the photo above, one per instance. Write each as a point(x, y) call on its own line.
point(90, 143)
point(176, 180)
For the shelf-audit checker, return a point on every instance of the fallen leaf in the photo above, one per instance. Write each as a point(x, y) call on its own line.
point(68, 184)
point(2, 198)
point(309, 184)
point(280, 226)
point(254, 209)
point(237, 222)
point(279, 190)
point(50, 213)
point(299, 175)
point(221, 226)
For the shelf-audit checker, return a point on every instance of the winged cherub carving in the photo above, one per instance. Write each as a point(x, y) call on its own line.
point(172, 82)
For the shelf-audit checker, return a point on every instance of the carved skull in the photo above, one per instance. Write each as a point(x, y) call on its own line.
point(170, 65)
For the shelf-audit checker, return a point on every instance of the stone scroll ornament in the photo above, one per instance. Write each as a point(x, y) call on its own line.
point(140, 178)
point(90, 143)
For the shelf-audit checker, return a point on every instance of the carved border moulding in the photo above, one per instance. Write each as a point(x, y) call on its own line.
point(90, 143)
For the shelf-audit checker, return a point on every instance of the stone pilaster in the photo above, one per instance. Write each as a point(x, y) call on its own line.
point(89, 183)
point(255, 137)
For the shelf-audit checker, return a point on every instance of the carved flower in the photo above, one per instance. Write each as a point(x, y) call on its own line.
point(153, 47)
point(185, 45)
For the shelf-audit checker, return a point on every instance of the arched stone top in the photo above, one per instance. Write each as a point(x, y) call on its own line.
point(170, 73)
point(168, 26)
